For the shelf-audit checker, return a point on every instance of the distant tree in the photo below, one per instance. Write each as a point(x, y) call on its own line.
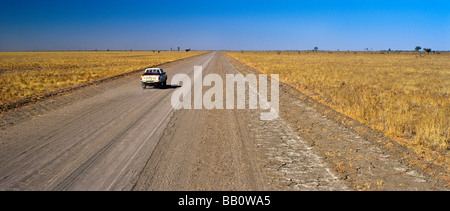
point(316, 48)
point(417, 48)
point(187, 50)
point(428, 50)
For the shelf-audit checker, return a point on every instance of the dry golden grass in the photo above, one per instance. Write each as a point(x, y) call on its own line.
point(403, 95)
point(28, 74)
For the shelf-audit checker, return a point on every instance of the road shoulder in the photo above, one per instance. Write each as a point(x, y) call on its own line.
point(360, 156)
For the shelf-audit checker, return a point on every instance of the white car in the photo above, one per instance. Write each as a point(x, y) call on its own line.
point(153, 77)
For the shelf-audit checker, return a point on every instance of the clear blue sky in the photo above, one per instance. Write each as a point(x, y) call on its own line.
point(229, 24)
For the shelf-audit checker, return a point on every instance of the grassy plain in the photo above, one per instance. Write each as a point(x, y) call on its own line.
point(29, 74)
point(404, 95)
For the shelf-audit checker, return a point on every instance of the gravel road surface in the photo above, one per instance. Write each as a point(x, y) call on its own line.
point(118, 136)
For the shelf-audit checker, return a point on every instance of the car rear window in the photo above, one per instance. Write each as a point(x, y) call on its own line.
point(153, 71)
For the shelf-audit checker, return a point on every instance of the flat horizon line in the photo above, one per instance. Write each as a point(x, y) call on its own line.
point(247, 50)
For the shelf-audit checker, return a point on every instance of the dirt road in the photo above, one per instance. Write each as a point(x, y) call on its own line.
point(117, 136)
